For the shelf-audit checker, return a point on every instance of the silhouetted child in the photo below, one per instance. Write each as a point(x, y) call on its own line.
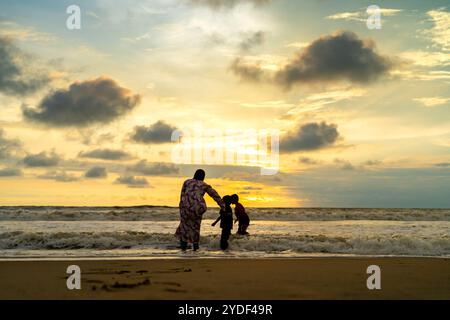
point(226, 222)
point(241, 215)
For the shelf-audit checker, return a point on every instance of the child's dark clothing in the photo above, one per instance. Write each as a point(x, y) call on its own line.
point(242, 217)
point(226, 223)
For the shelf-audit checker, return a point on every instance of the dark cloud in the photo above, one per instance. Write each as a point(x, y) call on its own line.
point(226, 4)
point(60, 176)
point(106, 154)
point(132, 182)
point(16, 76)
point(100, 100)
point(306, 160)
point(7, 146)
point(41, 159)
point(96, 172)
point(159, 132)
point(252, 40)
point(310, 136)
point(246, 71)
point(341, 56)
point(153, 169)
point(10, 172)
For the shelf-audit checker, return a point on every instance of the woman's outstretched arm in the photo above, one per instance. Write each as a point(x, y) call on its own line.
point(213, 194)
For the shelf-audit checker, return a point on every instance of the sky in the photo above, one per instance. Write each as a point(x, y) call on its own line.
point(360, 115)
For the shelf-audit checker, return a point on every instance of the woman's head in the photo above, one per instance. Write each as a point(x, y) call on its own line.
point(234, 198)
point(199, 174)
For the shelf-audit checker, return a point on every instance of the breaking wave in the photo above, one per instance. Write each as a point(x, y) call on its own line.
point(150, 213)
point(319, 243)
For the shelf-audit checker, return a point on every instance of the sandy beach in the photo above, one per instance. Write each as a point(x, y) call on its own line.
point(308, 278)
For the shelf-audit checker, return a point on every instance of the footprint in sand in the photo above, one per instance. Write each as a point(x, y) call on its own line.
point(118, 285)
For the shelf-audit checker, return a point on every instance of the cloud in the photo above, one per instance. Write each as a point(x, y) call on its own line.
point(252, 40)
point(60, 176)
point(132, 182)
point(341, 56)
point(440, 33)
point(105, 154)
point(308, 161)
point(41, 160)
point(432, 101)
point(362, 15)
point(159, 132)
point(338, 57)
point(421, 75)
point(17, 77)
point(12, 30)
point(247, 71)
point(10, 172)
point(153, 169)
point(317, 101)
point(344, 164)
point(7, 146)
point(422, 58)
point(96, 101)
point(227, 4)
point(96, 172)
point(373, 162)
point(310, 136)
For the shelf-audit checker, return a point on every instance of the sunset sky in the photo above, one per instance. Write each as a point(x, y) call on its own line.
point(363, 115)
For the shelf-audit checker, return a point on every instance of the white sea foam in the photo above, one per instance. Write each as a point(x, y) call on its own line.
point(366, 245)
point(268, 238)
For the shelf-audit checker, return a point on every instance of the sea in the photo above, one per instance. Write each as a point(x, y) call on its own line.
point(32, 232)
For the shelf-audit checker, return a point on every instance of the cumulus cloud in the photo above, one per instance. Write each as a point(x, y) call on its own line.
point(7, 146)
point(227, 4)
point(247, 71)
point(159, 132)
point(132, 181)
point(96, 172)
point(153, 169)
point(60, 176)
point(105, 154)
point(310, 136)
point(85, 103)
point(341, 56)
point(10, 172)
point(16, 75)
point(42, 159)
point(251, 40)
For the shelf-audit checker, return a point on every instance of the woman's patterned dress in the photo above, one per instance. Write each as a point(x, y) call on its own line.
point(192, 207)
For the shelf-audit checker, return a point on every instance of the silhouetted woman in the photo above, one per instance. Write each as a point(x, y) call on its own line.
point(192, 208)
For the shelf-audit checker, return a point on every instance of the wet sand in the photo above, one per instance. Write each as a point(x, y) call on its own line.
point(308, 278)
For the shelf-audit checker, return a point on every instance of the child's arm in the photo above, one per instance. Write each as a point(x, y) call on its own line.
point(217, 220)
